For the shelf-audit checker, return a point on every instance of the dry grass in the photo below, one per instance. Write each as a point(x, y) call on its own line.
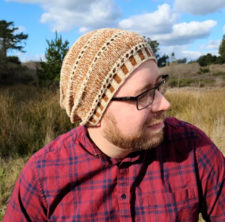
point(9, 171)
point(190, 69)
point(195, 76)
point(31, 118)
point(204, 108)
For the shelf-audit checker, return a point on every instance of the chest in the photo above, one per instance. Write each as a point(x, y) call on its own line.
point(138, 191)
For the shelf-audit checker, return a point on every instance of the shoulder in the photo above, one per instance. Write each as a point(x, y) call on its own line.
point(177, 130)
point(63, 142)
point(185, 137)
point(60, 148)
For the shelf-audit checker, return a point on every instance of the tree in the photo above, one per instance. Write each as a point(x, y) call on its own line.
point(222, 49)
point(9, 39)
point(154, 45)
point(182, 61)
point(161, 60)
point(173, 58)
point(55, 52)
point(207, 59)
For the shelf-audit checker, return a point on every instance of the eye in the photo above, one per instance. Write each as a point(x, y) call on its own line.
point(146, 98)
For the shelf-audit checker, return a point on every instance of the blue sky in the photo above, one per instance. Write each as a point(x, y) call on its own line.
point(189, 28)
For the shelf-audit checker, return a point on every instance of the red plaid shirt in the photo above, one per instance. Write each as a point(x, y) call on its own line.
point(71, 180)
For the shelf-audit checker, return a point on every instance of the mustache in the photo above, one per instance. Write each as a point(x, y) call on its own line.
point(157, 119)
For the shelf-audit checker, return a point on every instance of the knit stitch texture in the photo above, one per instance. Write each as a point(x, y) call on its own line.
point(94, 69)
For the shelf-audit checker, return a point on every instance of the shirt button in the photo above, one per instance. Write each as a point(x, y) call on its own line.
point(123, 196)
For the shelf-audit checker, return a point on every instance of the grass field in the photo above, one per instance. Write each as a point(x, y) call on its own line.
point(31, 118)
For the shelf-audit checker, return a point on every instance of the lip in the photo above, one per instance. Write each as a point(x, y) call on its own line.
point(156, 126)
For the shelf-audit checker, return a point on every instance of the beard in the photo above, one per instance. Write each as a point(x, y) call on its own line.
point(143, 140)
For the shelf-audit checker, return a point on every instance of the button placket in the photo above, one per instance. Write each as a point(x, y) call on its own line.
point(123, 194)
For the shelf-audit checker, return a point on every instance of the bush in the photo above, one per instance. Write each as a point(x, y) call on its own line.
point(180, 82)
point(13, 73)
point(186, 82)
point(203, 70)
point(13, 59)
point(204, 82)
point(173, 82)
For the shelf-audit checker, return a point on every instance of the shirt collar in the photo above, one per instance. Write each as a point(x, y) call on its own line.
point(90, 146)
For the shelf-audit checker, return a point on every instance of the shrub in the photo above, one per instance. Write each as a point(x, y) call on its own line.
point(13, 59)
point(172, 82)
point(219, 73)
point(203, 70)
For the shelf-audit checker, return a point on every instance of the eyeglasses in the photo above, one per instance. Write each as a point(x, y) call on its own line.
point(146, 98)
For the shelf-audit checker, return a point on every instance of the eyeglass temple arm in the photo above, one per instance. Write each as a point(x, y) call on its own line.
point(123, 98)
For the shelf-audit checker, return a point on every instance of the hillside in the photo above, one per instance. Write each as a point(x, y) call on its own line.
point(194, 75)
point(181, 75)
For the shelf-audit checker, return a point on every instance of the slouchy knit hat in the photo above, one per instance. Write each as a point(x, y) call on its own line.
point(95, 67)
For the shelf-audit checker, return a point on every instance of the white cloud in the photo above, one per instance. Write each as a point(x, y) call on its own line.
point(161, 26)
point(185, 33)
point(213, 45)
point(199, 7)
point(64, 15)
point(158, 22)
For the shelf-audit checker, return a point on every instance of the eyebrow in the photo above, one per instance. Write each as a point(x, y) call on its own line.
point(146, 86)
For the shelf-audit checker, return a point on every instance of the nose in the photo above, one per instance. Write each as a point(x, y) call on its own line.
point(160, 103)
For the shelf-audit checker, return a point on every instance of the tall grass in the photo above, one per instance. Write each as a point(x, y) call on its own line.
point(202, 107)
point(9, 171)
point(31, 117)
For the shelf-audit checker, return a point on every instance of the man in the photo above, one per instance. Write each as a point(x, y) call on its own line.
point(126, 161)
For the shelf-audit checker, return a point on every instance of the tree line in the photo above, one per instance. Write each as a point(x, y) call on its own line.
point(48, 71)
point(213, 59)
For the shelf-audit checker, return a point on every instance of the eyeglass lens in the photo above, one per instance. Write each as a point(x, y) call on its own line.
point(147, 98)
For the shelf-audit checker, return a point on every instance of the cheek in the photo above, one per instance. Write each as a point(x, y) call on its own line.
point(129, 118)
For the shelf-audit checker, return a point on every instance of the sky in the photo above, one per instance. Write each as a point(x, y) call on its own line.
point(188, 28)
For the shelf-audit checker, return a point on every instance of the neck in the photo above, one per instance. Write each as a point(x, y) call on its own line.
point(106, 146)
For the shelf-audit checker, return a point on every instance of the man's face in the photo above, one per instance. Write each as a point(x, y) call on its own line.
point(128, 128)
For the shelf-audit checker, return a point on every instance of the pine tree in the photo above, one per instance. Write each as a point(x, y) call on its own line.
point(55, 52)
point(9, 39)
point(222, 49)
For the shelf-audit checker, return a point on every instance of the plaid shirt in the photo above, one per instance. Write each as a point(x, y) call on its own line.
point(71, 180)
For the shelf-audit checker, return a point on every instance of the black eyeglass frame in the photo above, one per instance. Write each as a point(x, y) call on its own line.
point(135, 98)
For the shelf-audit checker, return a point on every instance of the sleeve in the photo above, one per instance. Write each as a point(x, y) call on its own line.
point(211, 170)
point(27, 202)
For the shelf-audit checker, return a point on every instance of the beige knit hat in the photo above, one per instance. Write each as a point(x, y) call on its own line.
point(95, 67)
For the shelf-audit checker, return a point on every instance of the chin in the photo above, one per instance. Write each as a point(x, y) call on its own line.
point(152, 140)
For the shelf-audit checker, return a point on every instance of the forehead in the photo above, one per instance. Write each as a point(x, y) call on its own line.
point(145, 75)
